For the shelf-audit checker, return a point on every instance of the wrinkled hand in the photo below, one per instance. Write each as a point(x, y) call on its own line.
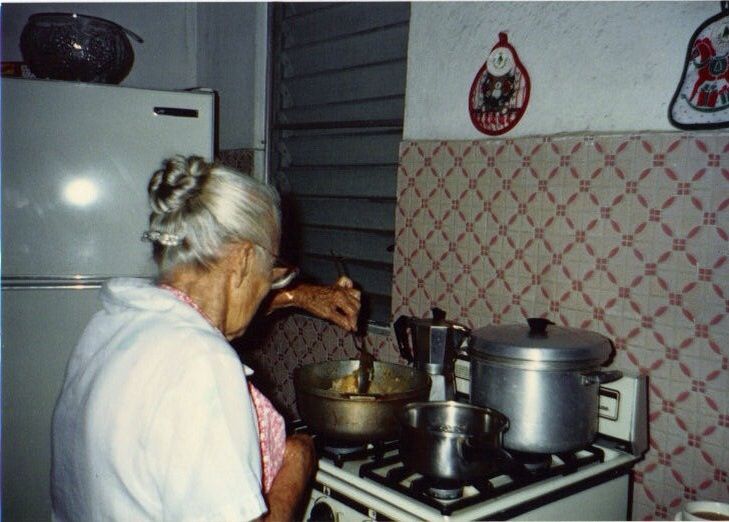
point(338, 303)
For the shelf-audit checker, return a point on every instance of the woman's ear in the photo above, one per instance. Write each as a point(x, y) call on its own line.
point(241, 259)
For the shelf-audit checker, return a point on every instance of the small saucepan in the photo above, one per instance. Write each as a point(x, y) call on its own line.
point(451, 441)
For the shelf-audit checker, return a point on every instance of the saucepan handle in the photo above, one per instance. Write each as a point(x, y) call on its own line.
point(600, 377)
point(470, 449)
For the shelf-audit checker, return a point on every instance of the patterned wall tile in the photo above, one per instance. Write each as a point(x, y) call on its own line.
point(624, 234)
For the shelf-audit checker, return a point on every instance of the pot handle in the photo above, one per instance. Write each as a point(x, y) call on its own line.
point(538, 326)
point(469, 450)
point(400, 327)
point(472, 448)
point(134, 35)
point(599, 377)
point(129, 32)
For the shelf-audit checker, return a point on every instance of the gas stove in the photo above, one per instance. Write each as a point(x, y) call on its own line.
point(372, 483)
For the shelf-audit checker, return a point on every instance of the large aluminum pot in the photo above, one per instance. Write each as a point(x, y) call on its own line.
point(453, 441)
point(545, 379)
point(352, 418)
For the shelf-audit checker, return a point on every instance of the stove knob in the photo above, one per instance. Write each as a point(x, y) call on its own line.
point(322, 512)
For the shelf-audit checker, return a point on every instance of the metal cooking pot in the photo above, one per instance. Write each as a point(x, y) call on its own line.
point(544, 378)
point(352, 418)
point(451, 441)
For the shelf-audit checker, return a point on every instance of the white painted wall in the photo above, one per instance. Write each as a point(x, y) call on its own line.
point(215, 45)
point(594, 66)
point(232, 59)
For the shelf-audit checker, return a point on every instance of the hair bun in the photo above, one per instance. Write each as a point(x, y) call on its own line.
point(175, 183)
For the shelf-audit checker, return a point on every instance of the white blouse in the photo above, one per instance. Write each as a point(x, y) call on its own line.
point(154, 421)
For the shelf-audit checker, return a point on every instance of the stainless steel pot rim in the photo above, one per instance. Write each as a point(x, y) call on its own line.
point(422, 405)
point(364, 397)
point(450, 404)
point(317, 391)
point(536, 365)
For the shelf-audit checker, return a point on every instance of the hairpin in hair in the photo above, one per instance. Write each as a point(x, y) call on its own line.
point(163, 238)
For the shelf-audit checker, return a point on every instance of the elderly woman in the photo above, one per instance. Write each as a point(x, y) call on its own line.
point(156, 420)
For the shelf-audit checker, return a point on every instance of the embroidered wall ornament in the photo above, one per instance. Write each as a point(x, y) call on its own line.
point(500, 92)
point(701, 100)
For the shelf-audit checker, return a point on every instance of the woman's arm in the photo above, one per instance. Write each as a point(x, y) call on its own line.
point(291, 484)
point(338, 303)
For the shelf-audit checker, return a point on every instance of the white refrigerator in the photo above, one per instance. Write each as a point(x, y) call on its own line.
point(76, 159)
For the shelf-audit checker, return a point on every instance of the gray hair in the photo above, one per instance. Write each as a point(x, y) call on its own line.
point(198, 208)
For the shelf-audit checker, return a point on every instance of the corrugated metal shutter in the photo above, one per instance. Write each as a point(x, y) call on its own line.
point(338, 91)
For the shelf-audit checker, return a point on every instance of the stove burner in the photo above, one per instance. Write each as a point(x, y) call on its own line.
point(445, 494)
point(532, 461)
point(438, 489)
point(341, 454)
point(343, 450)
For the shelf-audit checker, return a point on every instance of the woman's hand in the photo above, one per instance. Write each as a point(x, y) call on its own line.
point(338, 303)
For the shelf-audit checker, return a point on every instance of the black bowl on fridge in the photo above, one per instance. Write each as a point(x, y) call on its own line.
point(74, 47)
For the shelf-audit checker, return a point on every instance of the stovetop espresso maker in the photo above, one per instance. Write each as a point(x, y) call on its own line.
point(432, 346)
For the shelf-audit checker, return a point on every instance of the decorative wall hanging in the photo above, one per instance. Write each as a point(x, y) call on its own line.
point(500, 92)
point(701, 100)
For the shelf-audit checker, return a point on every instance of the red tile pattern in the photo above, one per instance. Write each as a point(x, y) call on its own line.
point(626, 235)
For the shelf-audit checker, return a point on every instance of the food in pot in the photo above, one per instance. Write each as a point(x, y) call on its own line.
point(348, 384)
point(353, 418)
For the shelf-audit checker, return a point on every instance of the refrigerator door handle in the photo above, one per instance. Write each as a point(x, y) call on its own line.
point(176, 111)
point(53, 283)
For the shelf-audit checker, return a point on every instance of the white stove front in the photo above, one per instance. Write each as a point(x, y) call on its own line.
point(596, 492)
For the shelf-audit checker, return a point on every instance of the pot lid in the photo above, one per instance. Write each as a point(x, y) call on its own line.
point(540, 341)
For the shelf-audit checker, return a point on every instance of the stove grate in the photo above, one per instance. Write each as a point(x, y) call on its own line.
point(374, 451)
point(384, 466)
point(392, 473)
point(338, 455)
